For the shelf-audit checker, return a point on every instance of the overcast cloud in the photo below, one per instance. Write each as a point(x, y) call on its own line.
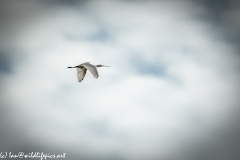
point(172, 92)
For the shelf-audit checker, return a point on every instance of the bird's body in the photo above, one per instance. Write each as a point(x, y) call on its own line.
point(82, 70)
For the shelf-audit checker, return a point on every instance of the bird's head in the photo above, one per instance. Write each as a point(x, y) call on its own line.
point(100, 65)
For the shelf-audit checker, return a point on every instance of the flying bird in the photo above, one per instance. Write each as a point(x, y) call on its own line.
point(82, 69)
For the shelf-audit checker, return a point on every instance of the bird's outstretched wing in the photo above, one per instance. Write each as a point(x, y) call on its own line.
point(91, 68)
point(81, 73)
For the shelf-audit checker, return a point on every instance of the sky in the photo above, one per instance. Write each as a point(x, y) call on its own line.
point(171, 93)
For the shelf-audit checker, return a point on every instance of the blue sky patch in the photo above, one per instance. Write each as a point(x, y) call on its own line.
point(147, 67)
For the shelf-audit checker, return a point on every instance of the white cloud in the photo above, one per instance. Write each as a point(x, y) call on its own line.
point(123, 112)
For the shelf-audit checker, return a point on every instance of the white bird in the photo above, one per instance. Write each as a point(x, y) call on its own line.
point(82, 69)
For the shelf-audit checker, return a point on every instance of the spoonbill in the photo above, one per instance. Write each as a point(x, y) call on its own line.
point(82, 69)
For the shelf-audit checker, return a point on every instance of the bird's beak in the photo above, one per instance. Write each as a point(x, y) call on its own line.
point(106, 66)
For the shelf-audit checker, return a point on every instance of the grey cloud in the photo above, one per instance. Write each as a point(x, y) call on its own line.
point(222, 15)
point(5, 62)
point(71, 3)
point(127, 113)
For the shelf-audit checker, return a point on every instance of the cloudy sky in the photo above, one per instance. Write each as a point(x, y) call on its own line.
point(172, 92)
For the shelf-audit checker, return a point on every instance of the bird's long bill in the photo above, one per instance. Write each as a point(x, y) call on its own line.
point(106, 66)
point(72, 67)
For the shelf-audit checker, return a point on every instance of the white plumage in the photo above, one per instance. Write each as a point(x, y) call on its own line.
point(82, 69)
point(91, 68)
point(81, 73)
